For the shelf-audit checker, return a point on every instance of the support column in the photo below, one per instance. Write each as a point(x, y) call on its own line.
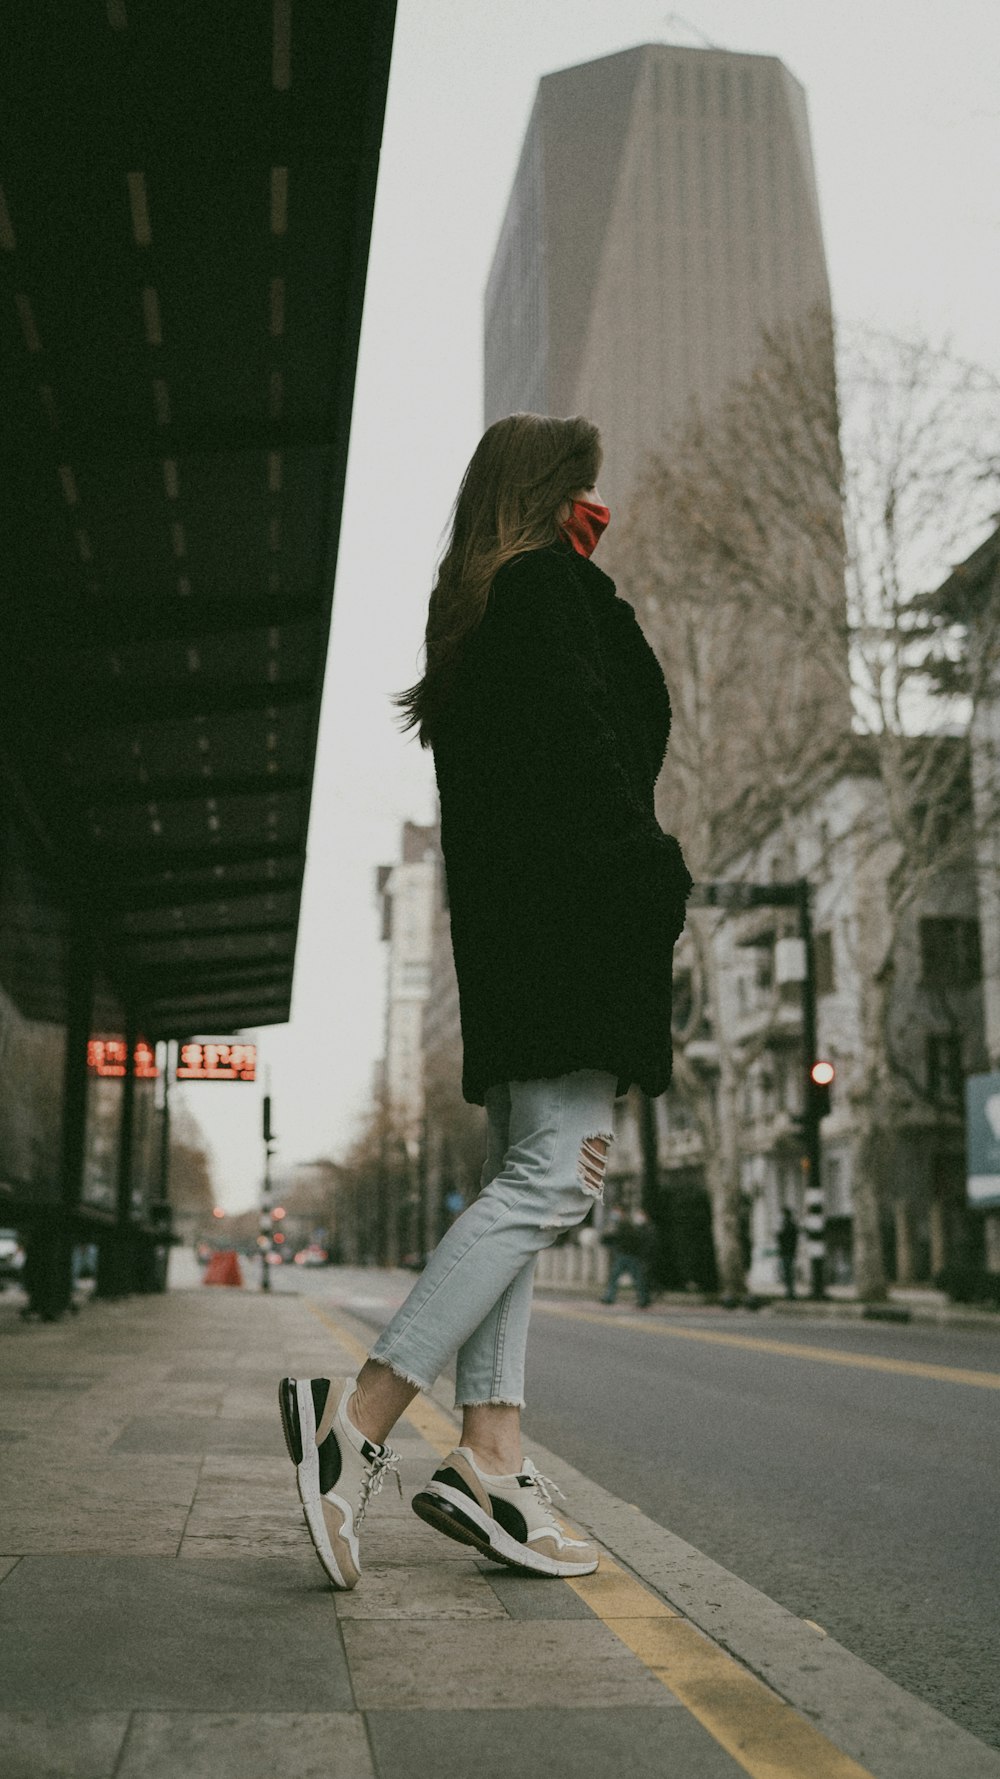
point(50, 1246)
point(116, 1254)
point(155, 1271)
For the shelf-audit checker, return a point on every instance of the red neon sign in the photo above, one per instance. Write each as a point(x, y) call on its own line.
point(108, 1056)
point(217, 1062)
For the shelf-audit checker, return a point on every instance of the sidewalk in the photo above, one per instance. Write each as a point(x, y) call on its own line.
point(163, 1616)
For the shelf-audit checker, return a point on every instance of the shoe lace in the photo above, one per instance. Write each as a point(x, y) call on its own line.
point(542, 1484)
point(378, 1469)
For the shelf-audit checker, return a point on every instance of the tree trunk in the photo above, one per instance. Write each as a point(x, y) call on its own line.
point(869, 1267)
point(723, 1178)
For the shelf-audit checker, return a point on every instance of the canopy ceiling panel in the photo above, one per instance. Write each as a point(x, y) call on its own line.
point(186, 194)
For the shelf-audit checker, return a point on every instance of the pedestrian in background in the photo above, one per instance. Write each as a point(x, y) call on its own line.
point(611, 1240)
point(548, 715)
point(632, 1246)
point(788, 1241)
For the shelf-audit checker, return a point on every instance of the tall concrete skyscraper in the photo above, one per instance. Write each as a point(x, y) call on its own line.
point(663, 213)
point(664, 208)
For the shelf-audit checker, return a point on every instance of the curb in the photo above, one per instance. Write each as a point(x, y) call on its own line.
point(829, 1309)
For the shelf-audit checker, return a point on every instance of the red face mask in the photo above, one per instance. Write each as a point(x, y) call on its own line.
point(585, 524)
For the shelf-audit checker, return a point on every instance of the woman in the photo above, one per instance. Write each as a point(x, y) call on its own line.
point(548, 717)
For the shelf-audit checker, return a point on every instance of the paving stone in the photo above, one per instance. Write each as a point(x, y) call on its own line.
point(390, 1541)
point(220, 1373)
point(201, 1433)
point(7, 1564)
point(229, 1467)
point(267, 1492)
point(422, 1591)
point(546, 1744)
point(243, 1521)
point(106, 1634)
point(112, 1507)
point(293, 1541)
point(42, 1745)
point(529, 1596)
point(258, 1745)
point(187, 1399)
point(425, 1665)
point(141, 1535)
point(52, 1383)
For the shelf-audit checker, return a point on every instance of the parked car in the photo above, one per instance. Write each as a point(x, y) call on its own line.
point(11, 1254)
point(313, 1255)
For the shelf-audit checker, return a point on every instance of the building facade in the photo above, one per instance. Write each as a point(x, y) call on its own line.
point(406, 891)
point(933, 1037)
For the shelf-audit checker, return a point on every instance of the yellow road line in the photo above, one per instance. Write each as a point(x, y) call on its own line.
point(762, 1733)
point(789, 1349)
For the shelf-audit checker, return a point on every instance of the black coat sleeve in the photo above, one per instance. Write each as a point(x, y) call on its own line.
point(571, 786)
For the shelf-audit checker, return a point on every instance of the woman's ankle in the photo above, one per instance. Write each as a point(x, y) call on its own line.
point(496, 1463)
point(492, 1432)
point(380, 1396)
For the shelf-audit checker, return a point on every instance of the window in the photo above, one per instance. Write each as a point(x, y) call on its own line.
point(944, 1066)
point(823, 962)
point(949, 953)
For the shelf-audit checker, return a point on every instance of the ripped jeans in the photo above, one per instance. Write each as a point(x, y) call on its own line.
point(542, 1173)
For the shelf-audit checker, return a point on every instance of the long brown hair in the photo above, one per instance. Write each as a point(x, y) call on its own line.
point(521, 471)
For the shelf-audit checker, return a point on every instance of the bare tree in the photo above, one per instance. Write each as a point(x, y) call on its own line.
point(191, 1184)
point(778, 552)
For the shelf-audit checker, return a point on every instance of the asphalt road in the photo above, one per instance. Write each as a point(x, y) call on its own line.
point(860, 1496)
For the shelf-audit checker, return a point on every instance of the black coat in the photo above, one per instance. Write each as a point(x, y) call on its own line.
point(565, 894)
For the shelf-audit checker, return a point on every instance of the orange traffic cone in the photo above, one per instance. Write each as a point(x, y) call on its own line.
point(223, 1269)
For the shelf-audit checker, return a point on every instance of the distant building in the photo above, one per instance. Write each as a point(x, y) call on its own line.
point(407, 890)
point(975, 585)
point(455, 1130)
point(973, 589)
point(664, 210)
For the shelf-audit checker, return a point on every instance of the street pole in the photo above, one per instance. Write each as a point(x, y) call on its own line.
point(266, 1219)
point(815, 1208)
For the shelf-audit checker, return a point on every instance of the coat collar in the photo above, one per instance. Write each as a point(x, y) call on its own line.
point(586, 569)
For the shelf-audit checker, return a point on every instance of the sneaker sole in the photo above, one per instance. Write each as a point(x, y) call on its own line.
point(454, 1514)
point(298, 1421)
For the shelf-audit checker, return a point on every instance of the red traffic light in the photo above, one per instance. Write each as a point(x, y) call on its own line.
point(218, 1212)
point(822, 1073)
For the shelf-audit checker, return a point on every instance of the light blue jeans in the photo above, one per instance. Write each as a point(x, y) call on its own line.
point(541, 1175)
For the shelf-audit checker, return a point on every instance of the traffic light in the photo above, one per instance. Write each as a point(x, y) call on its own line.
point(821, 1077)
point(267, 1118)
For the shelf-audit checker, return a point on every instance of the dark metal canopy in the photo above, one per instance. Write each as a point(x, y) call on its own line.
point(186, 193)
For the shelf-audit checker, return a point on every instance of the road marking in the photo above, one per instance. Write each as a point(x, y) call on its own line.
point(755, 1726)
point(789, 1349)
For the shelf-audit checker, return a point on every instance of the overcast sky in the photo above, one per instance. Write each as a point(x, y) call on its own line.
point(905, 118)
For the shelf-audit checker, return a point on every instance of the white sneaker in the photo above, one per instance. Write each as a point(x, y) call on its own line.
point(508, 1518)
point(337, 1469)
